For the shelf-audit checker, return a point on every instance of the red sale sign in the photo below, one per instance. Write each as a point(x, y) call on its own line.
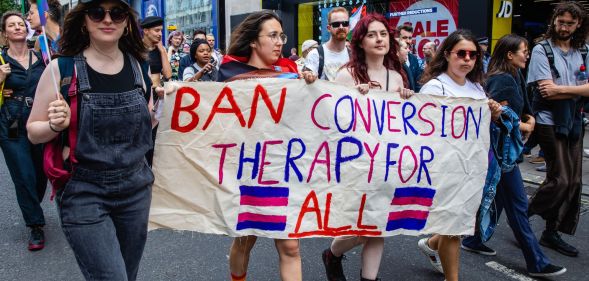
point(432, 21)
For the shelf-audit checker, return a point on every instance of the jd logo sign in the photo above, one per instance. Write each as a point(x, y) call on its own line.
point(505, 10)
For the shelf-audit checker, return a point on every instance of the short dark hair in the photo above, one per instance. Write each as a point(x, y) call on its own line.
point(54, 9)
point(197, 32)
point(194, 46)
point(8, 14)
point(405, 27)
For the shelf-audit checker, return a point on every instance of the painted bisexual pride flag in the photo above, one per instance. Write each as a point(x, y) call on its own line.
point(414, 218)
point(260, 197)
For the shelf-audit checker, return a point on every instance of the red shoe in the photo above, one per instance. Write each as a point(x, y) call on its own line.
point(37, 239)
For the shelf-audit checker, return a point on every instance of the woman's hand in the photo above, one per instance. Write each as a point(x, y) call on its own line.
point(4, 72)
point(309, 76)
point(495, 108)
point(548, 89)
point(363, 88)
point(59, 115)
point(406, 93)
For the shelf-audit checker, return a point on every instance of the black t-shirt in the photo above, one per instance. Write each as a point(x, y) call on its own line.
point(115, 83)
point(155, 61)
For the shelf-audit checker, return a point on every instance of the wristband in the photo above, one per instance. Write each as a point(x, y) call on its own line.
point(53, 129)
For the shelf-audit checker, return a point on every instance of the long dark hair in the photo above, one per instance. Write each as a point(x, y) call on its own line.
point(578, 13)
point(439, 63)
point(499, 62)
point(357, 64)
point(247, 32)
point(75, 38)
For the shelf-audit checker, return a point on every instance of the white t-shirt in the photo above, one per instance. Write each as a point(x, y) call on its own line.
point(189, 72)
point(445, 86)
point(333, 61)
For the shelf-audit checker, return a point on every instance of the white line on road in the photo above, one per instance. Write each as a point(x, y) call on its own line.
point(508, 271)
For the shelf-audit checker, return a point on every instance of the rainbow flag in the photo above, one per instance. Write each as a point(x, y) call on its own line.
point(260, 197)
point(42, 6)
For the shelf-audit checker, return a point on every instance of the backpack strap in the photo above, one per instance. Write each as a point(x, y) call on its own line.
point(441, 83)
point(146, 79)
point(583, 51)
point(321, 60)
point(66, 70)
point(550, 56)
point(73, 128)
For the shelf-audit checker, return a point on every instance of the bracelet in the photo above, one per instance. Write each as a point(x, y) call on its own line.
point(53, 129)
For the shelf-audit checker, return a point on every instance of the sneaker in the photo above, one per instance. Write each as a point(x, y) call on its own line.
point(542, 168)
point(552, 239)
point(333, 266)
point(549, 270)
point(37, 239)
point(479, 249)
point(586, 152)
point(431, 255)
point(538, 160)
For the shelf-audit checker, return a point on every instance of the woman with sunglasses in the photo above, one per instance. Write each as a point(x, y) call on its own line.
point(256, 52)
point(506, 84)
point(20, 73)
point(455, 71)
point(374, 64)
point(104, 207)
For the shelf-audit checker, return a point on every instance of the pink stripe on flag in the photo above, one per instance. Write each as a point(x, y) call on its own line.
point(427, 202)
point(408, 214)
point(260, 218)
point(263, 201)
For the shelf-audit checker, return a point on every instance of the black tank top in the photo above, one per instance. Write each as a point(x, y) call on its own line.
point(116, 83)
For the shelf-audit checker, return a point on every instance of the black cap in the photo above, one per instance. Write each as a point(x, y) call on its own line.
point(483, 41)
point(126, 2)
point(152, 21)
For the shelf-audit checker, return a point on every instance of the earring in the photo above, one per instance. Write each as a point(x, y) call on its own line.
point(83, 29)
point(126, 32)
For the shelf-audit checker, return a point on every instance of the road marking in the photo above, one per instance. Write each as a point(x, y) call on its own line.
point(508, 271)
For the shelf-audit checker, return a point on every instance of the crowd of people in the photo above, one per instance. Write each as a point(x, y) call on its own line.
point(117, 63)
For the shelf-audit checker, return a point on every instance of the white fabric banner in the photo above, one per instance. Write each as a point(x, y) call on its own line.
point(282, 159)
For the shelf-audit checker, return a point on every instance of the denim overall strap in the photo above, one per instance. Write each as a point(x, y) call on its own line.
point(136, 71)
point(82, 73)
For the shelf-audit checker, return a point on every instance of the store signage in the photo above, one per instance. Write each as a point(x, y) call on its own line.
point(506, 9)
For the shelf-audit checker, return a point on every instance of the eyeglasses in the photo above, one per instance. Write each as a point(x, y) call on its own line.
point(566, 24)
point(337, 24)
point(117, 15)
point(276, 37)
point(463, 53)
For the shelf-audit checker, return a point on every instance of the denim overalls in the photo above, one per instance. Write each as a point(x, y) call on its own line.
point(104, 208)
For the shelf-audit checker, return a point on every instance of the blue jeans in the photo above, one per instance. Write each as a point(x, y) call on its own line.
point(511, 196)
point(24, 161)
point(104, 218)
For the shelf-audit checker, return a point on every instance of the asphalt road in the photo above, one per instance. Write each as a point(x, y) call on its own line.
point(173, 255)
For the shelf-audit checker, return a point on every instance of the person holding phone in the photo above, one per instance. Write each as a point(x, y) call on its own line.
point(202, 69)
point(20, 74)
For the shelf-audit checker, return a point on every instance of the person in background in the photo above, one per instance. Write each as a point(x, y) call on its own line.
point(405, 33)
point(187, 60)
point(293, 54)
point(202, 69)
point(21, 73)
point(484, 43)
point(104, 207)
point(456, 71)
point(306, 48)
point(217, 57)
point(175, 40)
point(185, 50)
point(335, 52)
point(403, 54)
point(559, 123)
point(374, 64)
point(429, 51)
point(52, 27)
point(506, 84)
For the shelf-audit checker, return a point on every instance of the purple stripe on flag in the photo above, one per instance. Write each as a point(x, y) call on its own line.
point(408, 214)
point(242, 217)
point(42, 7)
point(263, 191)
point(399, 201)
point(268, 226)
point(409, 224)
point(263, 201)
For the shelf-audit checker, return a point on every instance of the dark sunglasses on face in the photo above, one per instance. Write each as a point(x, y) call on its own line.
point(337, 24)
point(462, 54)
point(116, 14)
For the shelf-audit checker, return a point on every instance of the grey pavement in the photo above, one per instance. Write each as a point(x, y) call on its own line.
point(174, 255)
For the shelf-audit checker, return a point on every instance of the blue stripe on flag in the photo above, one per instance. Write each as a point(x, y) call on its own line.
point(269, 226)
point(409, 224)
point(422, 192)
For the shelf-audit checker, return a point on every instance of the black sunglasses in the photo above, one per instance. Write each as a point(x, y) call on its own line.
point(337, 24)
point(462, 54)
point(98, 14)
